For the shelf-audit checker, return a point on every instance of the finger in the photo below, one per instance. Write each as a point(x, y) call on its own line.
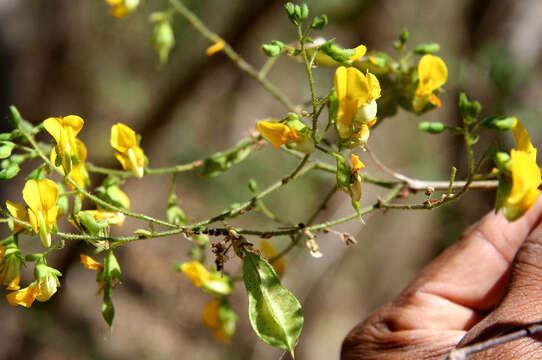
point(467, 279)
point(449, 296)
point(521, 304)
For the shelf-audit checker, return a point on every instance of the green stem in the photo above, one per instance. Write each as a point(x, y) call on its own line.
point(234, 56)
point(311, 82)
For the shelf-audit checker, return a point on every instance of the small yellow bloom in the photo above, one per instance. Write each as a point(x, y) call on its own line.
point(269, 252)
point(432, 74)
point(279, 134)
point(359, 51)
point(196, 272)
point(526, 175)
point(130, 156)
point(18, 211)
point(64, 130)
point(356, 163)
point(218, 316)
point(78, 172)
point(122, 8)
point(41, 197)
point(216, 47)
point(356, 95)
point(42, 289)
point(24, 297)
point(90, 263)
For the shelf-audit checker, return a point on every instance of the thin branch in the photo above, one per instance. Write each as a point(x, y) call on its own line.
point(464, 352)
point(234, 56)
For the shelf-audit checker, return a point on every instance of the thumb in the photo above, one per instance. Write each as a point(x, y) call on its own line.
point(521, 304)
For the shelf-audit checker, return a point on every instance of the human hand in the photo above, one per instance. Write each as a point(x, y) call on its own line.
point(474, 290)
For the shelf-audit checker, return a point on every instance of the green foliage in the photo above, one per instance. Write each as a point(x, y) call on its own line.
point(222, 161)
point(274, 312)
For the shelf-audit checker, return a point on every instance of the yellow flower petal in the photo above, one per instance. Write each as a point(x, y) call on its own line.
point(432, 74)
point(276, 133)
point(359, 52)
point(122, 138)
point(216, 47)
point(352, 92)
point(525, 180)
point(210, 314)
point(18, 211)
point(523, 141)
point(90, 263)
point(269, 252)
point(196, 272)
point(356, 163)
point(374, 86)
point(24, 297)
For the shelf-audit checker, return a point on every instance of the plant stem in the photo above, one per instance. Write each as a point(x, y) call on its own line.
point(311, 82)
point(234, 56)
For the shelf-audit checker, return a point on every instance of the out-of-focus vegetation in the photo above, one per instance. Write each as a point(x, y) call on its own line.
point(70, 57)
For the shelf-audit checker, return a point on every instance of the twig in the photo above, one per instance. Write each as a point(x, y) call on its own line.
point(464, 352)
point(234, 56)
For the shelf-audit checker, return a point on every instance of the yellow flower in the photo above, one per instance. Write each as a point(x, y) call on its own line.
point(359, 51)
point(90, 263)
point(525, 175)
point(122, 8)
point(64, 130)
point(269, 252)
point(42, 289)
point(278, 134)
point(130, 155)
point(196, 272)
point(356, 95)
point(10, 266)
point(215, 283)
point(216, 47)
point(356, 163)
point(78, 172)
point(219, 317)
point(432, 74)
point(18, 211)
point(41, 197)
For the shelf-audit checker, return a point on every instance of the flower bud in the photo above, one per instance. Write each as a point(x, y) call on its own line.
point(424, 49)
point(319, 22)
point(47, 280)
point(432, 127)
point(163, 39)
point(499, 123)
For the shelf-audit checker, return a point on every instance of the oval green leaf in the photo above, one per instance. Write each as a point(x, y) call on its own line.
point(274, 312)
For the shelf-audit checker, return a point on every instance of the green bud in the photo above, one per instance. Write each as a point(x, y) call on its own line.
point(297, 13)
point(432, 127)
point(498, 123)
point(218, 285)
point(502, 160)
point(90, 225)
point(15, 119)
point(271, 50)
point(336, 52)
point(304, 13)
point(319, 22)
point(9, 172)
point(175, 215)
point(163, 40)
point(6, 147)
point(469, 110)
point(290, 9)
point(252, 186)
point(397, 45)
point(430, 48)
point(403, 36)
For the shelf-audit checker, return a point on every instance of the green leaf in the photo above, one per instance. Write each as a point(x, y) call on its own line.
point(221, 162)
point(275, 314)
point(6, 147)
point(434, 127)
point(430, 48)
point(9, 172)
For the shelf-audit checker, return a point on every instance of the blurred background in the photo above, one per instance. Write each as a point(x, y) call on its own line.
point(71, 57)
